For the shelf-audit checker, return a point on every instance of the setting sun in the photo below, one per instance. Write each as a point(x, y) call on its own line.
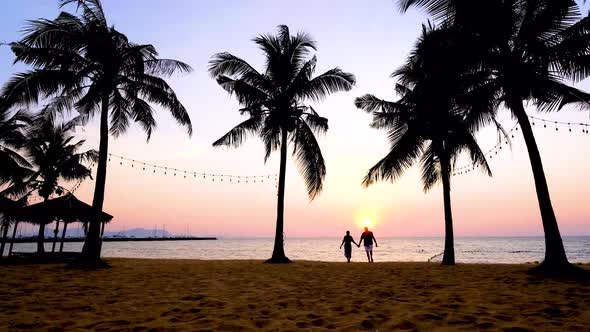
point(366, 218)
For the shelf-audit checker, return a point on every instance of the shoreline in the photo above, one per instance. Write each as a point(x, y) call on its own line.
point(247, 295)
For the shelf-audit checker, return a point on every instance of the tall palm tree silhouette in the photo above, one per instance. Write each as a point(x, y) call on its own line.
point(433, 121)
point(54, 154)
point(83, 64)
point(274, 101)
point(529, 48)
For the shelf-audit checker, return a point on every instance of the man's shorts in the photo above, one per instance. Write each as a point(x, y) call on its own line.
point(369, 248)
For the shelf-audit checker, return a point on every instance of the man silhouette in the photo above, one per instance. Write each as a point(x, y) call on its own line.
point(368, 237)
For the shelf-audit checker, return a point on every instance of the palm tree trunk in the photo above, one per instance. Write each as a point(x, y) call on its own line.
point(1, 240)
point(555, 256)
point(93, 243)
point(41, 235)
point(449, 253)
point(4, 234)
point(13, 236)
point(63, 236)
point(55, 232)
point(41, 238)
point(278, 253)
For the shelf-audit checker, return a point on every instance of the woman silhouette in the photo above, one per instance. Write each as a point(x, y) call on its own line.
point(347, 242)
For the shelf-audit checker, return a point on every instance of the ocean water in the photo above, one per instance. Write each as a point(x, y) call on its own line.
point(467, 249)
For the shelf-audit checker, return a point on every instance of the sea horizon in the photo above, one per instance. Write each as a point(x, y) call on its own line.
point(502, 249)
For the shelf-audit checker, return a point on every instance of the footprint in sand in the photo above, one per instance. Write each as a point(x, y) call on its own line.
point(106, 325)
point(432, 316)
point(197, 297)
point(405, 325)
point(317, 322)
point(261, 323)
point(302, 325)
point(516, 329)
point(485, 325)
point(367, 324)
point(469, 318)
point(504, 318)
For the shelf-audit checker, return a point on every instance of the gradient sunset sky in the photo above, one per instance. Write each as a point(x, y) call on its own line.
point(368, 38)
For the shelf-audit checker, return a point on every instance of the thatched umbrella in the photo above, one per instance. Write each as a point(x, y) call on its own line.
point(66, 208)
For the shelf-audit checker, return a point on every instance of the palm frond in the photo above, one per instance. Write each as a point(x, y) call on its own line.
point(165, 67)
point(91, 10)
point(310, 161)
point(120, 114)
point(226, 64)
point(236, 136)
point(402, 156)
point(333, 80)
point(431, 168)
point(271, 135)
point(318, 124)
point(437, 8)
point(143, 114)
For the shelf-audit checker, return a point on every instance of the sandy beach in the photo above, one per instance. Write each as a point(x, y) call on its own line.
point(187, 295)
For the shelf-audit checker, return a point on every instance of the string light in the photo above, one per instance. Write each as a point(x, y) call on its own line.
point(585, 128)
point(185, 172)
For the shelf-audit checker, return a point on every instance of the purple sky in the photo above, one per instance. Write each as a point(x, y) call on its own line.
point(369, 39)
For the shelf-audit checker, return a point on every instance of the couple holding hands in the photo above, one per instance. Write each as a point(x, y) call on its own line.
point(367, 237)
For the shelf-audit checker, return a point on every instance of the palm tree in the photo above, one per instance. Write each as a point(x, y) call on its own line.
point(81, 63)
point(274, 102)
point(13, 126)
point(53, 152)
point(15, 170)
point(433, 121)
point(529, 48)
